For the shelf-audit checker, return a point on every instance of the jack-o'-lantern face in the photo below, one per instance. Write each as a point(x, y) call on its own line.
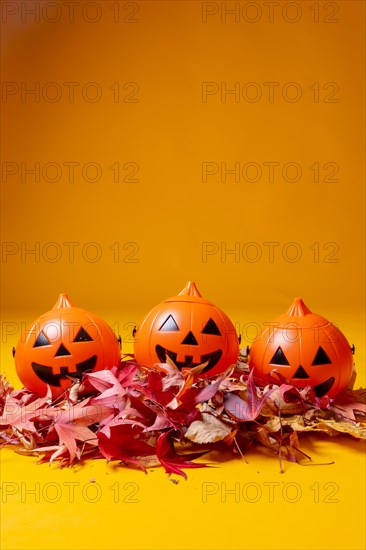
point(62, 345)
point(306, 349)
point(190, 331)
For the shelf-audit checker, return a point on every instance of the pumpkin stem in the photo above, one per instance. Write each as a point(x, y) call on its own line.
point(298, 308)
point(190, 290)
point(62, 301)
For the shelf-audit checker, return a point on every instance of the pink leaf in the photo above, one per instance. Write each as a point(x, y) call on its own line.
point(19, 416)
point(69, 433)
point(248, 410)
point(81, 413)
point(161, 423)
point(290, 394)
point(209, 391)
point(126, 373)
point(102, 380)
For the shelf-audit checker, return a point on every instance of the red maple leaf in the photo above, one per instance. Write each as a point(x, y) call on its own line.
point(125, 443)
point(173, 462)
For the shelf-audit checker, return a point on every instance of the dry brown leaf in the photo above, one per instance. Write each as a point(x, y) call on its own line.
point(333, 427)
point(207, 430)
point(330, 426)
point(265, 438)
point(296, 422)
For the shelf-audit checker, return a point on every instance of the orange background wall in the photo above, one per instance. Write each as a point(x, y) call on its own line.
point(146, 88)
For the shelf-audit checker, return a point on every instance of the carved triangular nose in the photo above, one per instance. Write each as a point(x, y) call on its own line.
point(190, 340)
point(301, 373)
point(62, 351)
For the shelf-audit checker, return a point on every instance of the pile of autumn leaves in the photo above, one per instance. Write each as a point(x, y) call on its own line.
point(148, 417)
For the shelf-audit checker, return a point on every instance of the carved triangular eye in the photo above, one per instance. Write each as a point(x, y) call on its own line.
point(321, 358)
point(211, 328)
point(41, 340)
point(83, 336)
point(279, 358)
point(169, 324)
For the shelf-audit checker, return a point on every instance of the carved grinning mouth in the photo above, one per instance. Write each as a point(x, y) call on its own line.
point(46, 373)
point(324, 387)
point(320, 389)
point(212, 358)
